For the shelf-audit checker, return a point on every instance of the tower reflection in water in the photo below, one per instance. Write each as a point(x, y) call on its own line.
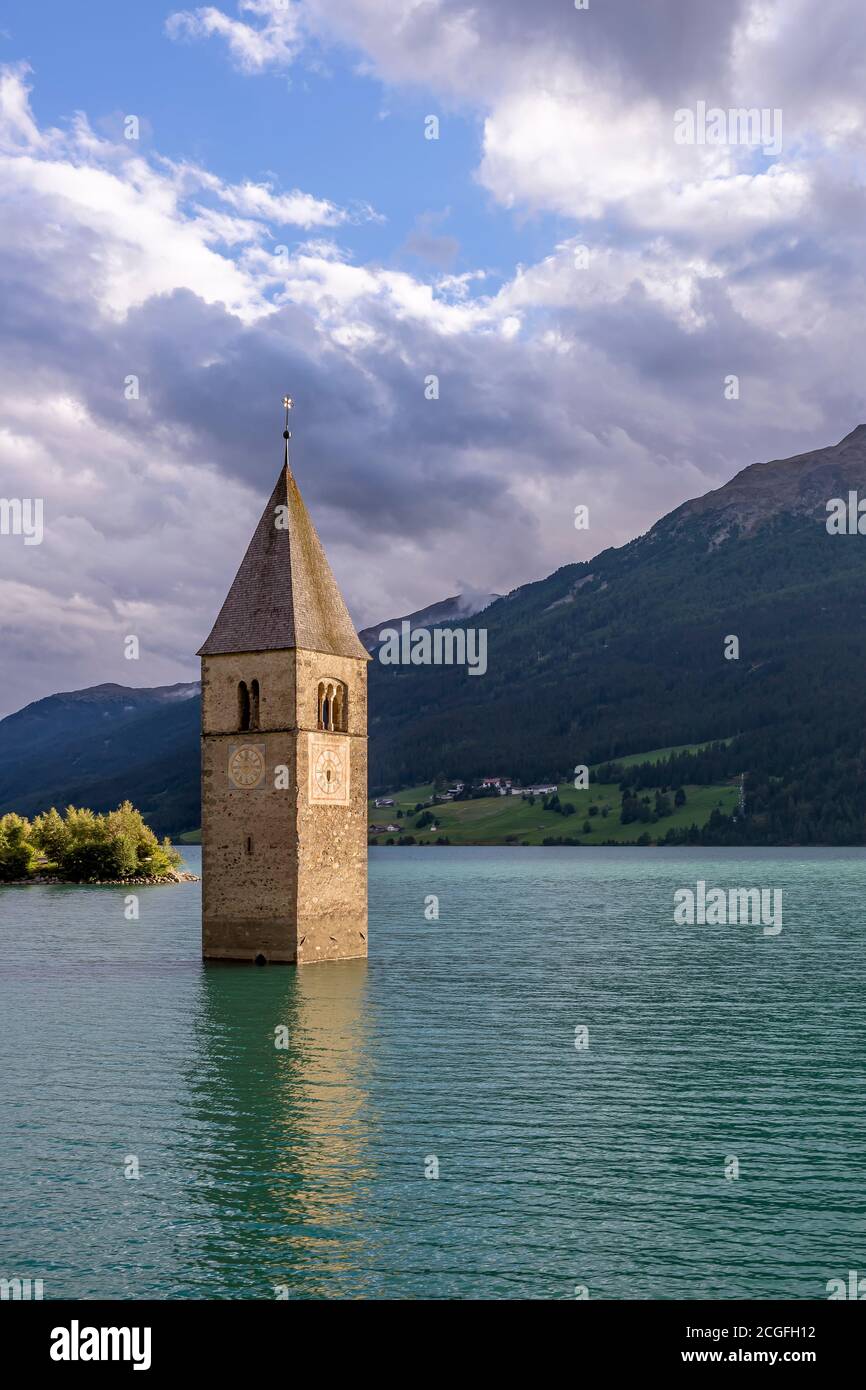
point(279, 1131)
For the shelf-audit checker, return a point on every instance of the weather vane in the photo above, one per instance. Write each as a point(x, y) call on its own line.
point(288, 403)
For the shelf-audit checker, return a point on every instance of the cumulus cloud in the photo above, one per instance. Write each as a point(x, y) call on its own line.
point(592, 376)
point(254, 47)
point(579, 107)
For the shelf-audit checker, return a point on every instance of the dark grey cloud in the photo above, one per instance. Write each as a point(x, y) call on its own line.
point(662, 46)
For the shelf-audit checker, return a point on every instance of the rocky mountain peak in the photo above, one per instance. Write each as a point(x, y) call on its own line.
point(800, 486)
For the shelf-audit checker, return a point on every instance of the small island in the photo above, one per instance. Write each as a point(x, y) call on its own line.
point(85, 846)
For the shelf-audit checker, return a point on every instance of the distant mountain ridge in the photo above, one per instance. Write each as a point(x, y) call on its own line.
point(798, 486)
point(97, 746)
point(456, 609)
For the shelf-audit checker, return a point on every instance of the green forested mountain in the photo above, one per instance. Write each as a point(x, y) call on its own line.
point(626, 652)
point(101, 746)
point(602, 659)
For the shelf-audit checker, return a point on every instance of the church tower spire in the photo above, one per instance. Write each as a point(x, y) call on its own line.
point(284, 752)
point(285, 595)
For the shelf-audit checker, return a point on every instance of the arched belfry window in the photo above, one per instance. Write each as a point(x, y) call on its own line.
point(254, 705)
point(333, 706)
point(243, 706)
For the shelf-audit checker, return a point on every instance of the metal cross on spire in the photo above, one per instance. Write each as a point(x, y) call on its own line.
point(289, 404)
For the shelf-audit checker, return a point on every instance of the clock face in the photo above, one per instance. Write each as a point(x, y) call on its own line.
point(329, 769)
point(328, 772)
point(246, 766)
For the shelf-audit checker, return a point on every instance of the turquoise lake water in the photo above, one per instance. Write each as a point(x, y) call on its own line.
point(303, 1169)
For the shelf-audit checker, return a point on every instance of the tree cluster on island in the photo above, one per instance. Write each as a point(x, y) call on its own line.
point(84, 846)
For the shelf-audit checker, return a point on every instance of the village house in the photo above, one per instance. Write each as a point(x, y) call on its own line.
point(502, 784)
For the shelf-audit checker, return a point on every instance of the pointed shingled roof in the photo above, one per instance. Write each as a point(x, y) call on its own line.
point(284, 594)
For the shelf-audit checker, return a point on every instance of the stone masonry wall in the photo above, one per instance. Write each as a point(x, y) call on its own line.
point(300, 891)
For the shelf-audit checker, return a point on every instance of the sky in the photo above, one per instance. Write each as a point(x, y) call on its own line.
point(507, 259)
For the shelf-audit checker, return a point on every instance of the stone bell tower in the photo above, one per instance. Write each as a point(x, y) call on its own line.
point(284, 753)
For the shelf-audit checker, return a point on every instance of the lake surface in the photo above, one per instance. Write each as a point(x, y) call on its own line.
point(303, 1169)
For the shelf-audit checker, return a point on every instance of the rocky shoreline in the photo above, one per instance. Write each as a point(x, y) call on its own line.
point(99, 882)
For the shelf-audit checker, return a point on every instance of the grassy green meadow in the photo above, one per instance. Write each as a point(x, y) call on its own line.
point(511, 819)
